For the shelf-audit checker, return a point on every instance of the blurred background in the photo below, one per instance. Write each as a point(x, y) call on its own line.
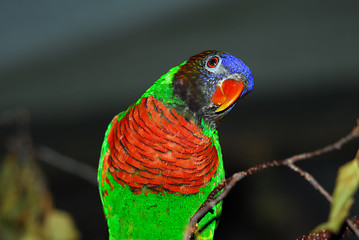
point(73, 65)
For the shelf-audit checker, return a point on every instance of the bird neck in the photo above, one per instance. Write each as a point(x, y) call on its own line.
point(163, 91)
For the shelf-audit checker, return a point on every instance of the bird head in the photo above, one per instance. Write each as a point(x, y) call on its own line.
point(210, 83)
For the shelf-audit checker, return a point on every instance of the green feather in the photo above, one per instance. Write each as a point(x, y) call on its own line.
point(162, 89)
point(157, 216)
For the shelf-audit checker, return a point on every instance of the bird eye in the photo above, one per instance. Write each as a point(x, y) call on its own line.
point(212, 62)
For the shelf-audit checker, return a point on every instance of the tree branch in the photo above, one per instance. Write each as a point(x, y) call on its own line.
point(222, 190)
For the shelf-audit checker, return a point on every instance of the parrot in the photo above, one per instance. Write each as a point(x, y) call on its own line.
point(161, 158)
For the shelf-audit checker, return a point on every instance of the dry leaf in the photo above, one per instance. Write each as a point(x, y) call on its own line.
point(346, 186)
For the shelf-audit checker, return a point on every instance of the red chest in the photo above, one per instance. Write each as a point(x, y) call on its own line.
point(154, 147)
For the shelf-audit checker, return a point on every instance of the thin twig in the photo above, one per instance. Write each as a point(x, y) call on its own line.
point(67, 164)
point(229, 183)
point(23, 146)
point(353, 227)
point(225, 187)
point(207, 205)
point(307, 176)
point(331, 147)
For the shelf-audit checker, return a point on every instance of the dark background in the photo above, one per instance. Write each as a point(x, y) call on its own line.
point(74, 65)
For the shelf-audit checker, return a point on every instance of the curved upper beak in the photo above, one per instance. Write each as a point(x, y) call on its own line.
point(226, 93)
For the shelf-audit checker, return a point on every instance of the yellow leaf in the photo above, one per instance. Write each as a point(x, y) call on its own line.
point(59, 225)
point(346, 186)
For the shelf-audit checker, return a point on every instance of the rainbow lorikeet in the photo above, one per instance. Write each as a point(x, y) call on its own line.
point(161, 157)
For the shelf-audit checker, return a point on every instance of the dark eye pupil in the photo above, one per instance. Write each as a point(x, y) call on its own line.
point(213, 62)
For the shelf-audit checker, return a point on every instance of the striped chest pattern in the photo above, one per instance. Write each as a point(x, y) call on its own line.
point(154, 147)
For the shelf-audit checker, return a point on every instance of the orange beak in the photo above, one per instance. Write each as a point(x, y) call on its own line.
point(227, 93)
